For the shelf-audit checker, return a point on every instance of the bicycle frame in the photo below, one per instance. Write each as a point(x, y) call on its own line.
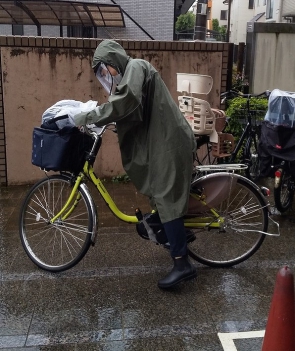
point(246, 132)
point(190, 221)
point(224, 208)
point(249, 129)
point(73, 199)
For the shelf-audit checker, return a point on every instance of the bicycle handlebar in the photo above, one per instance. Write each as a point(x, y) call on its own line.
point(93, 130)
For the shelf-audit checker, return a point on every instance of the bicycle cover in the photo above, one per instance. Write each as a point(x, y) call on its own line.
point(281, 108)
point(67, 107)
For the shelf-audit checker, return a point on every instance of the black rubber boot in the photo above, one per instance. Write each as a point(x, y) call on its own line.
point(182, 270)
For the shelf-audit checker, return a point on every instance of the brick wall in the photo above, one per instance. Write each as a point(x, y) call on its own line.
point(39, 71)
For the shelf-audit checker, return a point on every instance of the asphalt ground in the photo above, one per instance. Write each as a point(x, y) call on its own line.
point(110, 301)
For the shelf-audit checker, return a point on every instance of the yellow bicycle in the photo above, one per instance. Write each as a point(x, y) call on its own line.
point(227, 220)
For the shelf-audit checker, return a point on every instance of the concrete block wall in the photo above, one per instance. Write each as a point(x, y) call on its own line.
point(270, 56)
point(156, 17)
point(37, 72)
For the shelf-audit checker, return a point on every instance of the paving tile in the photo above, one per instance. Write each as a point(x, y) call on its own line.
point(110, 300)
point(18, 299)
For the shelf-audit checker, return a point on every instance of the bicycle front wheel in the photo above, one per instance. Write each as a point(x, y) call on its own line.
point(251, 158)
point(243, 222)
point(284, 192)
point(60, 245)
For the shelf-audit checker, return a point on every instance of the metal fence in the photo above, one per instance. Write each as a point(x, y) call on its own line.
point(211, 35)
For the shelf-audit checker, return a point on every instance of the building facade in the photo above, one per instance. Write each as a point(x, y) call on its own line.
point(270, 11)
point(219, 11)
point(144, 20)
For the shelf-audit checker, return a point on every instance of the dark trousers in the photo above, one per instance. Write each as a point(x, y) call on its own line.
point(176, 236)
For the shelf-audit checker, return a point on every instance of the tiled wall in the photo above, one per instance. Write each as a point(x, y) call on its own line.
point(153, 17)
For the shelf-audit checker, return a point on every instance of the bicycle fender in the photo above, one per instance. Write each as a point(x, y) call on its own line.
point(94, 213)
point(212, 189)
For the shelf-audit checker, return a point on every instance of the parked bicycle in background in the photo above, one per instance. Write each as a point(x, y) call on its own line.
point(277, 147)
point(238, 137)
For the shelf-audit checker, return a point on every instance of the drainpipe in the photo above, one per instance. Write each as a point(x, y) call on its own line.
point(201, 20)
point(228, 21)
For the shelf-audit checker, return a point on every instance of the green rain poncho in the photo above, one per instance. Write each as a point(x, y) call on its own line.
point(156, 142)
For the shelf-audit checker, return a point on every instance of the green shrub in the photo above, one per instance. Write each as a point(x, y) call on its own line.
point(185, 21)
point(237, 111)
point(124, 178)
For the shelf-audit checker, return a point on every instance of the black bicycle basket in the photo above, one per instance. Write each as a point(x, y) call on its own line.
point(64, 149)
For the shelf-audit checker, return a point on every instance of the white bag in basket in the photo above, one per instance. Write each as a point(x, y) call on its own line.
point(67, 107)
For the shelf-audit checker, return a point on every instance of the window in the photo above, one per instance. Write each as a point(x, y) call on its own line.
point(223, 15)
point(17, 29)
point(80, 32)
point(251, 4)
point(269, 9)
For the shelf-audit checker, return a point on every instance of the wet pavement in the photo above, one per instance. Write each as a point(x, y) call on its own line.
point(110, 301)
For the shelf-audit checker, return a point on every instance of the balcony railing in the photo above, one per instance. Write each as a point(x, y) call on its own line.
point(211, 35)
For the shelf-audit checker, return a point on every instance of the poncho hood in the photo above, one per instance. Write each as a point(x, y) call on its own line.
point(111, 53)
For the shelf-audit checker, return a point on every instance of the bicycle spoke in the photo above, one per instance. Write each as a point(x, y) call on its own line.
point(62, 244)
point(240, 233)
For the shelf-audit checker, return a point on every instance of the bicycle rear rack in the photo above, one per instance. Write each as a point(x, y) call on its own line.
point(231, 167)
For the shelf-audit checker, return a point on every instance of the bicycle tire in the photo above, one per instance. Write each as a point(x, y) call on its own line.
point(251, 158)
point(59, 246)
point(244, 213)
point(284, 192)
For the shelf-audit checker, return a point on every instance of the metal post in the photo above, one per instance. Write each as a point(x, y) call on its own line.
point(201, 20)
point(228, 21)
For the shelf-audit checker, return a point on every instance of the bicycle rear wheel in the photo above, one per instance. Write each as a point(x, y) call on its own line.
point(245, 217)
point(284, 192)
point(251, 158)
point(60, 245)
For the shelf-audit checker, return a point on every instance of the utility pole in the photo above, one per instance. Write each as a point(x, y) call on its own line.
point(201, 20)
point(228, 20)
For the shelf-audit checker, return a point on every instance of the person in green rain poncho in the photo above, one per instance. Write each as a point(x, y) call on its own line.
point(156, 142)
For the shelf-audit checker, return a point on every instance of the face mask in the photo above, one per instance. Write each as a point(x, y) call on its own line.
point(117, 79)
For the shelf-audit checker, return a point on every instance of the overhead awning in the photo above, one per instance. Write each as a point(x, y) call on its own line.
point(60, 13)
point(257, 17)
